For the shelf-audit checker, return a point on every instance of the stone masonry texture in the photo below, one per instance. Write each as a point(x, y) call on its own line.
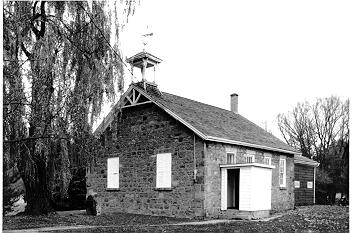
point(138, 135)
point(141, 133)
point(281, 198)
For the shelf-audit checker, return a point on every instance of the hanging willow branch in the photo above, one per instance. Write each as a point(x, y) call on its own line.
point(71, 68)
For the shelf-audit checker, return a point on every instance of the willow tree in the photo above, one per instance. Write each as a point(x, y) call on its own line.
point(61, 60)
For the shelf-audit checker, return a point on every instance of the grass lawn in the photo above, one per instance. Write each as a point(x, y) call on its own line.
point(313, 218)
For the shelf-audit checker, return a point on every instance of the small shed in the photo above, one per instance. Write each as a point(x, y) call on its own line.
point(304, 182)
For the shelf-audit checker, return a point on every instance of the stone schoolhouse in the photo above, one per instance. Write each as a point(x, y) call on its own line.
point(172, 156)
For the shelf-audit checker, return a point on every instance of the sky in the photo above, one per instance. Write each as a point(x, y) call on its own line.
point(273, 54)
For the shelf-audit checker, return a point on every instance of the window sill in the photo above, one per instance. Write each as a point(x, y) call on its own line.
point(112, 189)
point(163, 189)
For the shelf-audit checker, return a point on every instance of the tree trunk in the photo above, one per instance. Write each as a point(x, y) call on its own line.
point(38, 197)
point(34, 168)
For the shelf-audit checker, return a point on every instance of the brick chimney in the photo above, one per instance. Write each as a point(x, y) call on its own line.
point(234, 103)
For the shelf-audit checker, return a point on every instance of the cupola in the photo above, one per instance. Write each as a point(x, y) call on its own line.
point(143, 61)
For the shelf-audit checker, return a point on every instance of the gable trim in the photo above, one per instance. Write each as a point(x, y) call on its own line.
point(131, 97)
point(128, 106)
point(109, 118)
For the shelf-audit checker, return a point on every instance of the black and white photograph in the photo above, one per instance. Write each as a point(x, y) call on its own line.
point(175, 116)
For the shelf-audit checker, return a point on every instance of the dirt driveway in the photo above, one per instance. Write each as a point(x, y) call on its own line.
point(304, 219)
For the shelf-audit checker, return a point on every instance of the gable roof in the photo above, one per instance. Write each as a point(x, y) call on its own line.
point(211, 123)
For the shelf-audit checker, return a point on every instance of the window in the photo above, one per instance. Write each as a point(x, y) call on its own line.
point(113, 173)
point(297, 184)
point(231, 158)
point(282, 172)
point(163, 170)
point(88, 170)
point(108, 137)
point(102, 140)
point(249, 158)
point(309, 184)
point(267, 160)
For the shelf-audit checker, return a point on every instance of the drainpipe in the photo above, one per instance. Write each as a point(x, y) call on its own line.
point(194, 158)
point(204, 155)
point(205, 177)
point(314, 187)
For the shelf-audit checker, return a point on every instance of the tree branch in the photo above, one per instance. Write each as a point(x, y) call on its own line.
point(34, 138)
point(28, 54)
point(39, 33)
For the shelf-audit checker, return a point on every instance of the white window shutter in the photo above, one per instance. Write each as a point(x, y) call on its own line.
point(223, 189)
point(297, 184)
point(285, 173)
point(163, 170)
point(113, 172)
point(309, 184)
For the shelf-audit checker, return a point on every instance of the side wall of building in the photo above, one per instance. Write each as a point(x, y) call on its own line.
point(142, 133)
point(303, 194)
point(215, 154)
point(282, 198)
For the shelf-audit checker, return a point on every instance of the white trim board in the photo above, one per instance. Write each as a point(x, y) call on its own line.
point(229, 166)
point(229, 141)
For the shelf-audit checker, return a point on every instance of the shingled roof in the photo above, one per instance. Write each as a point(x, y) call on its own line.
point(213, 123)
point(305, 161)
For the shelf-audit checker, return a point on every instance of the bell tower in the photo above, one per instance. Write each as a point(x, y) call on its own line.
point(144, 60)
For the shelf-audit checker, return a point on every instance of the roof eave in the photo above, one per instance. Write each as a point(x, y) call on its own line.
point(239, 143)
point(313, 164)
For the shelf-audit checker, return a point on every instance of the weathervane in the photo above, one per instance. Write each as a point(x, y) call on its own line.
point(144, 39)
point(144, 60)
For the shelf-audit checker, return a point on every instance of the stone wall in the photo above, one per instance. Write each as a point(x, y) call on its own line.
point(215, 154)
point(304, 195)
point(282, 198)
point(146, 130)
point(141, 133)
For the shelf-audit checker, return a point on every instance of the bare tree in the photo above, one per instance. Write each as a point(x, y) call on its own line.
point(328, 119)
point(315, 128)
point(297, 128)
point(320, 130)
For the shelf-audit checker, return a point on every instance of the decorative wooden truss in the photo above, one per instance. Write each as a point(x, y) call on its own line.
point(133, 98)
